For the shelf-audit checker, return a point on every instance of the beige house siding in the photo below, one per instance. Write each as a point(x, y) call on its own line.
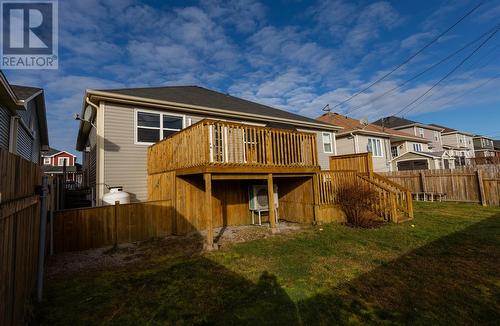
point(125, 162)
point(345, 145)
point(380, 164)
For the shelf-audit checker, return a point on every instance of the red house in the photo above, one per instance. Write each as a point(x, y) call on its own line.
point(58, 162)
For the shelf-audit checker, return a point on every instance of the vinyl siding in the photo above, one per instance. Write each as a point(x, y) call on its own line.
point(24, 143)
point(4, 128)
point(345, 145)
point(125, 163)
point(380, 164)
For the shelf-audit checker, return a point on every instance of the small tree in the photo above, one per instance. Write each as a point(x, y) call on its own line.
point(354, 199)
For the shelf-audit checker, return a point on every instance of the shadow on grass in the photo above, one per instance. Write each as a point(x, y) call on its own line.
point(451, 280)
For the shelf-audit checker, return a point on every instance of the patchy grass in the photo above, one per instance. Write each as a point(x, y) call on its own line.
point(441, 268)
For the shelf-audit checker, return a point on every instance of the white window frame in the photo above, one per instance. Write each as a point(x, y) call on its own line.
point(161, 113)
point(421, 132)
point(329, 135)
point(436, 135)
point(375, 141)
point(46, 160)
point(62, 159)
point(417, 147)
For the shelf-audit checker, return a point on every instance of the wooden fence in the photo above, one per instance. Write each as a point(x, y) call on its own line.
point(87, 228)
point(19, 234)
point(460, 185)
point(359, 162)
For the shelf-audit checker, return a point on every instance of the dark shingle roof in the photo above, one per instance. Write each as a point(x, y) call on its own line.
point(199, 96)
point(25, 92)
point(51, 151)
point(392, 122)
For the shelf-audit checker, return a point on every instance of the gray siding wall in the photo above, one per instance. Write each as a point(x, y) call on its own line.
point(125, 163)
point(28, 135)
point(4, 128)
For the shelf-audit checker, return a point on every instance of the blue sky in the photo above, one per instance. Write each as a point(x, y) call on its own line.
point(294, 55)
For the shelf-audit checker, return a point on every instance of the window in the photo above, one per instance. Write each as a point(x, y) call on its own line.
point(46, 160)
point(417, 147)
point(375, 147)
point(61, 161)
point(421, 132)
point(327, 142)
point(152, 127)
point(461, 140)
point(394, 151)
point(436, 136)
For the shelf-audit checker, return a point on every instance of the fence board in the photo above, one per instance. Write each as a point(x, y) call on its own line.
point(87, 228)
point(19, 233)
point(461, 185)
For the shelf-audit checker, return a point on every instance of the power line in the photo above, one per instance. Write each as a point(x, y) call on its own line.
point(449, 73)
point(422, 72)
point(410, 57)
point(471, 90)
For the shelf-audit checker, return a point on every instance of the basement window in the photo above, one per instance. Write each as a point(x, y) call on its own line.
point(151, 126)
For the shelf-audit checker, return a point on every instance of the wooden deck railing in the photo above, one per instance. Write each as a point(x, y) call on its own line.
point(211, 142)
point(392, 201)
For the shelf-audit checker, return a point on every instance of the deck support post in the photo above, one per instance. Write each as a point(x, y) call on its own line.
point(209, 241)
point(315, 197)
point(270, 198)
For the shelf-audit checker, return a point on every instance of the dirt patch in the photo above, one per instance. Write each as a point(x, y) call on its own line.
point(171, 246)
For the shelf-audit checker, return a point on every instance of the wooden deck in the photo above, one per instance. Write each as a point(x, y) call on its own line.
point(211, 146)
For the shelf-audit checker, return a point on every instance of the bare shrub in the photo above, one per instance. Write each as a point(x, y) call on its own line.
point(354, 199)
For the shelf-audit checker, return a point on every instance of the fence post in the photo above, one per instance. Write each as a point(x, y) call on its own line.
point(422, 182)
point(409, 204)
point(482, 198)
point(41, 245)
point(116, 222)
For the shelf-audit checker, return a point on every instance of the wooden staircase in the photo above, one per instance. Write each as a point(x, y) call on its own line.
point(394, 203)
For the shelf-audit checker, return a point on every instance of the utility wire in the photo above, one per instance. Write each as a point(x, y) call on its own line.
point(448, 74)
point(421, 73)
point(471, 90)
point(410, 57)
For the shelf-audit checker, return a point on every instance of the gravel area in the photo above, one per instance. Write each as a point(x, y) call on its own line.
point(133, 253)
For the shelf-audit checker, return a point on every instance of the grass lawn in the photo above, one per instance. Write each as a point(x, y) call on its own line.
point(443, 270)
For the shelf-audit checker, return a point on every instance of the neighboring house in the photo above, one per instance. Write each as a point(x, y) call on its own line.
point(392, 150)
point(421, 130)
point(56, 162)
point(483, 146)
point(458, 144)
point(124, 122)
point(23, 122)
point(496, 146)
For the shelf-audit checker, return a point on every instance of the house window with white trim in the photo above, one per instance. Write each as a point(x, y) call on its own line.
point(436, 136)
point(152, 126)
point(375, 147)
point(417, 147)
point(61, 161)
point(421, 132)
point(46, 160)
point(327, 142)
